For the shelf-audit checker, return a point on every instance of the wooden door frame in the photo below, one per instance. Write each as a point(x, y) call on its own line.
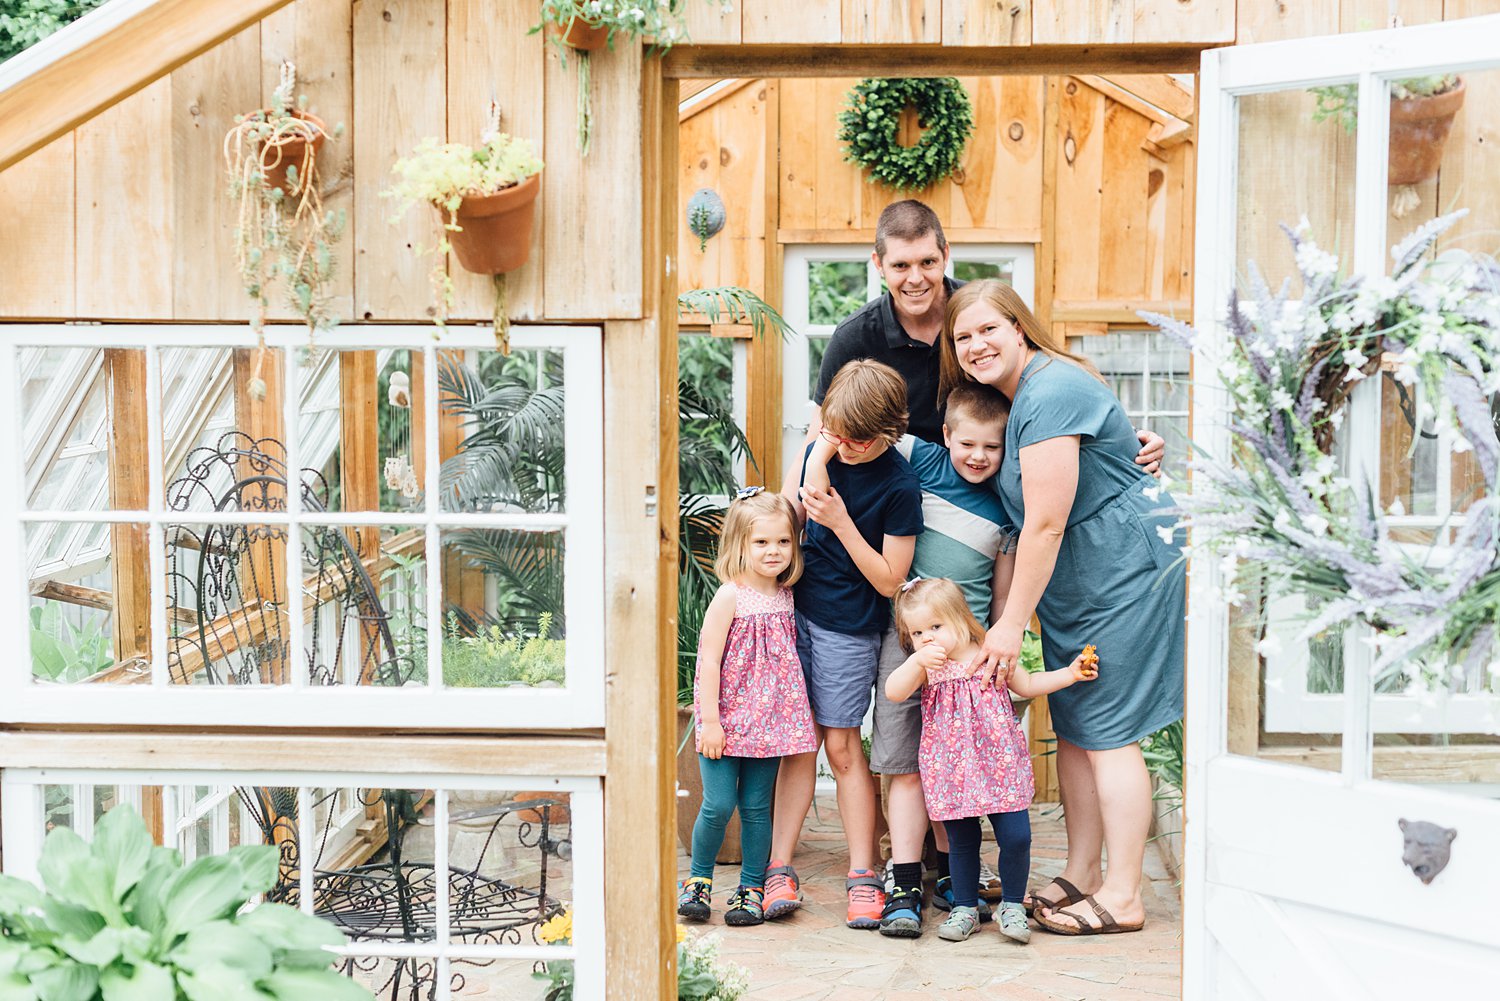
point(639, 938)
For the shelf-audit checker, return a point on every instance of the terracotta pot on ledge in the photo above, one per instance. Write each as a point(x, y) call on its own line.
point(496, 229)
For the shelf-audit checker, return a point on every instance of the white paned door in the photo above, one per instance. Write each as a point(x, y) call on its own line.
point(1301, 765)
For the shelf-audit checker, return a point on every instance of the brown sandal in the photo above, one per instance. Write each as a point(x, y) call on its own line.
point(1073, 896)
point(1107, 924)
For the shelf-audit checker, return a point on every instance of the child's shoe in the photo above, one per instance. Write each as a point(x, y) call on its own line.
point(902, 915)
point(866, 899)
point(962, 922)
point(745, 907)
point(989, 883)
point(1013, 922)
point(783, 893)
point(692, 898)
point(942, 899)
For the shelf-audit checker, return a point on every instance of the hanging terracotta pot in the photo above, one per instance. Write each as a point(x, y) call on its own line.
point(291, 150)
point(1419, 127)
point(581, 35)
point(496, 233)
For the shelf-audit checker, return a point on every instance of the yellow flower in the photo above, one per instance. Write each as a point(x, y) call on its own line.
point(559, 928)
point(682, 934)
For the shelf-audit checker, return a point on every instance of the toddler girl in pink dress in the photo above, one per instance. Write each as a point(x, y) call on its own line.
point(973, 757)
point(749, 698)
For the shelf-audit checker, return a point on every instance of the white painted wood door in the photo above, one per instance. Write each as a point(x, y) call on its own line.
point(1295, 886)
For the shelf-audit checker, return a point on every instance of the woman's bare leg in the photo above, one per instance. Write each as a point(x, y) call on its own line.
point(1124, 797)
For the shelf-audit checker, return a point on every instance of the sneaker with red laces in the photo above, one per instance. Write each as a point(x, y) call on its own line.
point(783, 893)
point(866, 898)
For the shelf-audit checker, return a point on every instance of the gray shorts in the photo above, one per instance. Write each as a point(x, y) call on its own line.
point(898, 725)
point(840, 670)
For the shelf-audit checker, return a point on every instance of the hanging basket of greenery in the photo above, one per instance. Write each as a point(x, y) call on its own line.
point(868, 129)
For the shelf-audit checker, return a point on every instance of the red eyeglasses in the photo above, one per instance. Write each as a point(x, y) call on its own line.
point(857, 446)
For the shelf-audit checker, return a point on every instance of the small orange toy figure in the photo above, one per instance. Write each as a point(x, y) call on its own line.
point(1090, 661)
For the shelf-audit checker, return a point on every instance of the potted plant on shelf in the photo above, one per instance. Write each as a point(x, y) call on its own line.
point(1422, 113)
point(485, 197)
point(582, 27)
point(124, 918)
point(283, 233)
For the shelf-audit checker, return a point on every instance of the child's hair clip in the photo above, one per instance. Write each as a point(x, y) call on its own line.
point(745, 493)
point(907, 586)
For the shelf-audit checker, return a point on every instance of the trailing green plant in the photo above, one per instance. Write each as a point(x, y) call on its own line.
point(124, 920)
point(65, 653)
point(30, 21)
point(868, 129)
point(732, 304)
point(1340, 101)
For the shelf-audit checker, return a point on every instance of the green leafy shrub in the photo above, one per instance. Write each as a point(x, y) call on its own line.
point(65, 653)
point(124, 920)
point(34, 20)
point(491, 658)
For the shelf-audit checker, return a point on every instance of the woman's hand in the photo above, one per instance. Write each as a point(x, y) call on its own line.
point(998, 654)
point(826, 508)
point(711, 742)
point(1153, 450)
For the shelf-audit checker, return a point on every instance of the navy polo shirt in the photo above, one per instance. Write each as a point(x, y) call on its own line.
point(884, 498)
point(875, 333)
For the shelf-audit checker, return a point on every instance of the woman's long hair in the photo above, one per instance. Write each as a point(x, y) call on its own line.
point(1005, 300)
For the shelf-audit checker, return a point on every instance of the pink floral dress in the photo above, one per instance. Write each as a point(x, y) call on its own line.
point(973, 758)
point(762, 697)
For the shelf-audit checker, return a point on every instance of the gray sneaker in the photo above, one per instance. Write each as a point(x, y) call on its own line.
point(989, 883)
point(1013, 922)
point(962, 922)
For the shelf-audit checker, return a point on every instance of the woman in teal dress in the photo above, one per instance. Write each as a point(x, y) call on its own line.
point(1098, 565)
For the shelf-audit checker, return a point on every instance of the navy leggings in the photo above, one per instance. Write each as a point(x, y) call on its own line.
point(1012, 835)
point(729, 783)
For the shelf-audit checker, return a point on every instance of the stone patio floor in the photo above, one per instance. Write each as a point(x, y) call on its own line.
point(811, 956)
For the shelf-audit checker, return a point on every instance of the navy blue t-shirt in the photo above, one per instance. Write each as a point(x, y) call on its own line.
point(883, 497)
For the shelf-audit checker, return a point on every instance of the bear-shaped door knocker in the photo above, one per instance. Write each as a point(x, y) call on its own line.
point(1426, 847)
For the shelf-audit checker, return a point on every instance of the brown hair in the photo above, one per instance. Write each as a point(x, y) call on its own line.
point(734, 540)
point(976, 402)
point(907, 220)
point(1004, 298)
point(942, 596)
point(866, 400)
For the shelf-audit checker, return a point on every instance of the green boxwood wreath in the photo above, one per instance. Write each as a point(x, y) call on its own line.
point(867, 128)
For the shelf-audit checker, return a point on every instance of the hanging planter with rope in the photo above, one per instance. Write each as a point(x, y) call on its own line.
point(868, 129)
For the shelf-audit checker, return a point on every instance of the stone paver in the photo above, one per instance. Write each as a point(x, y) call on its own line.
point(811, 956)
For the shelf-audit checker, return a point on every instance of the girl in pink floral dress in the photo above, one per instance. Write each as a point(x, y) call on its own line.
point(973, 758)
point(749, 699)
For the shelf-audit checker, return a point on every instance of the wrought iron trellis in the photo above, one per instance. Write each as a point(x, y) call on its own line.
point(227, 625)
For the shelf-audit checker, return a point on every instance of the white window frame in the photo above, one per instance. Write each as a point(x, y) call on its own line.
point(22, 825)
point(578, 704)
point(796, 405)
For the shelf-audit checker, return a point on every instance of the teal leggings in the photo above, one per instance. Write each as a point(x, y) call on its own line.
point(746, 783)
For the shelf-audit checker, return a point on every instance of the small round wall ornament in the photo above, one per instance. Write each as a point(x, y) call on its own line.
point(868, 129)
point(705, 215)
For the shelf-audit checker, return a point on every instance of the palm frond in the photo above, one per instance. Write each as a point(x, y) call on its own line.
point(732, 304)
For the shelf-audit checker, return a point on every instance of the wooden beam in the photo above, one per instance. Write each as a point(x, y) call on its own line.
point(1115, 311)
point(72, 594)
point(130, 549)
point(1046, 252)
point(640, 566)
point(1120, 95)
point(866, 235)
point(103, 58)
point(693, 105)
point(764, 376)
point(545, 756)
point(719, 61)
point(1457, 764)
point(1161, 89)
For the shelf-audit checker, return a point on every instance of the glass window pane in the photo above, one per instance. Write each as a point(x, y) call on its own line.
point(504, 620)
point(501, 431)
point(510, 859)
point(968, 271)
point(74, 613)
point(65, 396)
point(226, 607)
point(705, 367)
point(835, 290)
point(816, 348)
point(364, 597)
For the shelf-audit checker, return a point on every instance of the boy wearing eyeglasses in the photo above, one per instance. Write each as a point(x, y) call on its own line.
point(860, 535)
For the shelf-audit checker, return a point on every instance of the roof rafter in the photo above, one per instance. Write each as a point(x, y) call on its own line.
point(103, 58)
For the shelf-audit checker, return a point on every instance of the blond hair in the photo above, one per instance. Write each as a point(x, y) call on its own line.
point(1004, 299)
point(866, 400)
point(734, 541)
point(943, 597)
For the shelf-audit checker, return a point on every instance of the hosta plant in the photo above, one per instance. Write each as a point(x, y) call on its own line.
point(123, 919)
